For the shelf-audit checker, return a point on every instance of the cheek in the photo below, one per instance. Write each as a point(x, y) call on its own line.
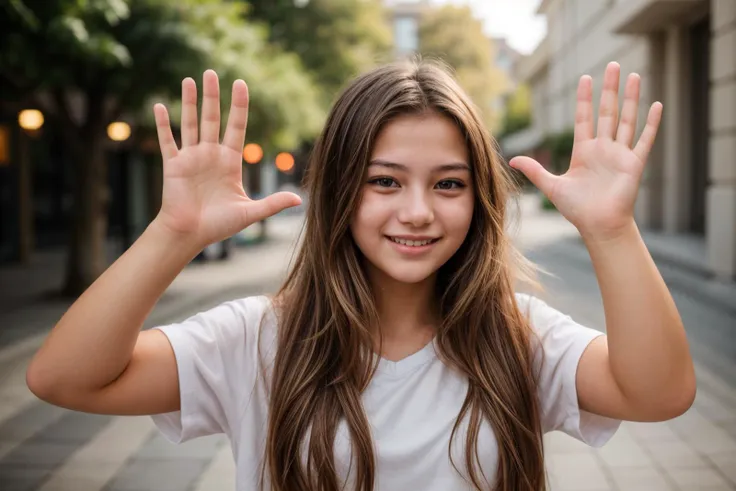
point(370, 216)
point(457, 215)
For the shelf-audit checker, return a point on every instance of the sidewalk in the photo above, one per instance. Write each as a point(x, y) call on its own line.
point(51, 449)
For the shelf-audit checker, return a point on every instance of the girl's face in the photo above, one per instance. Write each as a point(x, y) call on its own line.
point(417, 199)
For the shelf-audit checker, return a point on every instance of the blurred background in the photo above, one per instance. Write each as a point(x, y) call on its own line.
point(80, 179)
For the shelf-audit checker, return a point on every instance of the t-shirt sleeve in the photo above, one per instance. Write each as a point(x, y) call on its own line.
point(559, 344)
point(217, 362)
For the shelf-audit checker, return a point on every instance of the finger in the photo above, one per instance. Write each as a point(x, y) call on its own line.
point(584, 110)
point(533, 170)
point(270, 205)
point(608, 110)
point(627, 126)
point(210, 108)
point(238, 119)
point(189, 133)
point(646, 140)
point(163, 129)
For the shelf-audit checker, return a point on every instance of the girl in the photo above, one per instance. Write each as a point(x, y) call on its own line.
point(396, 355)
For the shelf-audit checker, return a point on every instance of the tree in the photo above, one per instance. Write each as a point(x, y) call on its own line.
point(335, 39)
point(454, 35)
point(87, 62)
point(518, 113)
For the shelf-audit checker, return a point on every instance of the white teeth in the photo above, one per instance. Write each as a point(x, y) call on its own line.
point(412, 243)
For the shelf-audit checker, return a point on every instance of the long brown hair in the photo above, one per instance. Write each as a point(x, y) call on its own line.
point(324, 357)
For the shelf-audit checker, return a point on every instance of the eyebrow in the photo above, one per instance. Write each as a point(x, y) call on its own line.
point(402, 167)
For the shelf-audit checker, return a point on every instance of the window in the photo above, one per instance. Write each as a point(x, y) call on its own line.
point(406, 34)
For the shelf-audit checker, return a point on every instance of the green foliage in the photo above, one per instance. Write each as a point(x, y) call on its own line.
point(547, 204)
point(334, 39)
point(122, 55)
point(114, 52)
point(453, 34)
point(284, 106)
point(560, 148)
point(518, 111)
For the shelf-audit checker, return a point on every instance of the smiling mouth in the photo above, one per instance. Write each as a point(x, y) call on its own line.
point(413, 243)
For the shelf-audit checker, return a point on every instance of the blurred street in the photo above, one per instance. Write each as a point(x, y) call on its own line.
point(43, 447)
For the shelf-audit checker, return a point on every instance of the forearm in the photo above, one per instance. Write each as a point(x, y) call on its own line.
point(648, 350)
point(92, 343)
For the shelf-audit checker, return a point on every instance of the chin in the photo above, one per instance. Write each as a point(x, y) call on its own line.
point(409, 274)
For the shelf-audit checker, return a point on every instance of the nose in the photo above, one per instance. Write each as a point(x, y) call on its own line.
point(416, 209)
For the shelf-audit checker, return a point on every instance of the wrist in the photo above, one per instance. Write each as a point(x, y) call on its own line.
point(180, 243)
point(608, 236)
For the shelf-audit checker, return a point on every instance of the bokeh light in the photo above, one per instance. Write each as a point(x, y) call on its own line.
point(284, 162)
point(118, 131)
point(30, 119)
point(252, 153)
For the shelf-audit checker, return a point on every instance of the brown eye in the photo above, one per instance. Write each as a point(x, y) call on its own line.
point(384, 182)
point(449, 184)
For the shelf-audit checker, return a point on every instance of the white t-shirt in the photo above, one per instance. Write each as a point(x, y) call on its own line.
point(411, 404)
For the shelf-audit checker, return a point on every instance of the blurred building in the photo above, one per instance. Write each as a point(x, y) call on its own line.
point(404, 17)
point(37, 186)
point(685, 51)
point(504, 59)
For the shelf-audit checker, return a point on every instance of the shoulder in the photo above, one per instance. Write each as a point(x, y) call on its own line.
point(553, 329)
point(233, 321)
point(539, 313)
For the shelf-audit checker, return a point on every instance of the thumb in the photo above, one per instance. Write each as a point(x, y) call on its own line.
point(533, 170)
point(258, 210)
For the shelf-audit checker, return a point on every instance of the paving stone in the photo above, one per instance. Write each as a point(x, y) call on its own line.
point(36, 453)
point(640, 479)
point(688, 479)
point(573, 472)
point(157, 447)
point(652, 432)
point(674, 454)
point(726, 463)
point(22, 478)
point(714, 409)
point(31, 419)
point(158, 475)
point(558, 442)
point(623, 451)
point(85, 476)
point(219, 474)
point(75, 427)
point(702, 434)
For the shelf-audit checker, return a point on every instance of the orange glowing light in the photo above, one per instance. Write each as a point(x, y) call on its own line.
point(284, 162)
point(252, 153)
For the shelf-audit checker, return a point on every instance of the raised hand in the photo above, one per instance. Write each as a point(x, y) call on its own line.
point(598, 191)
point(203, 196)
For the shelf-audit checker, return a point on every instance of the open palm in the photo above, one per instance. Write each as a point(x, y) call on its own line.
point(203, 196)
point(598, 191)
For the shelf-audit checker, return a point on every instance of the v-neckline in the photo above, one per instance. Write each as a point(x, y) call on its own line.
point(408, 363)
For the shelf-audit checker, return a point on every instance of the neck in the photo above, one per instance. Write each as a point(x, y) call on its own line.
point(405, 310)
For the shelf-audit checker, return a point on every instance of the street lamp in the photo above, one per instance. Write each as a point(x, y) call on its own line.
point(252, 153)
point(30, 119)
point(284, 162)
point(118, 131)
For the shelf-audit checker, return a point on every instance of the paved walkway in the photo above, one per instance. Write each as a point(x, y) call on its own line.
point(43, 447)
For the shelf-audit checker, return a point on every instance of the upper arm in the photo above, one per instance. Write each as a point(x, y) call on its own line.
point(597, 389)
point(148, 385)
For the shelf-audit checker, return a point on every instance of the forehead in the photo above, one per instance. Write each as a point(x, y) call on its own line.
point(427, 139)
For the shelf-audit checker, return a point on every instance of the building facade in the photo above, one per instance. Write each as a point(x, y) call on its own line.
point(685, 52)
point(404, 18)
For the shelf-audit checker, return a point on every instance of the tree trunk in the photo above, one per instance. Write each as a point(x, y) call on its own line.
point(25, 191)
point(86, 258)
